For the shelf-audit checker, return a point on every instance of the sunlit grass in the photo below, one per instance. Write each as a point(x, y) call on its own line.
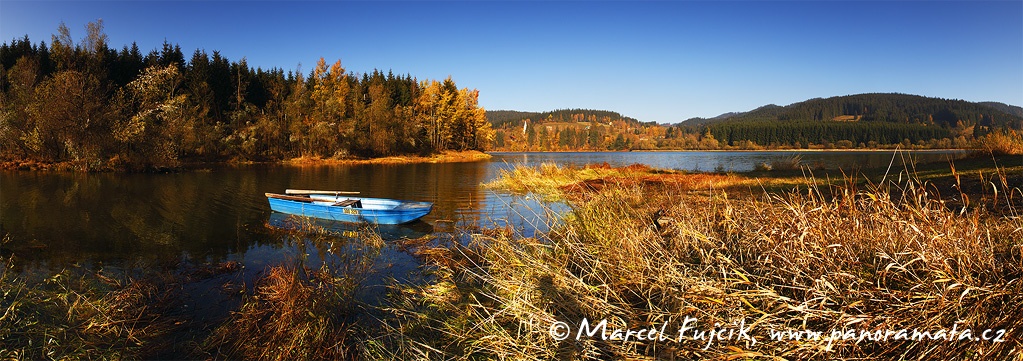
point(298, 312)
point(888, 256)
point(442, 157)
point(78, 314)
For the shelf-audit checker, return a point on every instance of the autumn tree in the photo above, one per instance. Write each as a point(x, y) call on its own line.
point(380, 120)
point(327, 127)
point(16, 124)
point(97, 107)
point(150, 129)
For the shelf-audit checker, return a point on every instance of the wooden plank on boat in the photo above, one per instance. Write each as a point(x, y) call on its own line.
point(308, 192)
point(292, 198)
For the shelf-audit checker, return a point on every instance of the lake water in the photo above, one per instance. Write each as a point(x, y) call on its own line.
point(57, 220)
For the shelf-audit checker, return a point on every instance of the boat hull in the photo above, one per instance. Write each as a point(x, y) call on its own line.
point(374, 210)
point(347, 229)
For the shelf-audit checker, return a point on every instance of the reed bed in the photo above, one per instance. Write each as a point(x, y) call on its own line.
point(296, 312)
point(554, 183)
point(292, 311)
point(78, 314)
point(885, 258)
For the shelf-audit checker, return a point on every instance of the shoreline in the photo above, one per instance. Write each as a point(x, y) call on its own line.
point(443, 157)
point(741, 150)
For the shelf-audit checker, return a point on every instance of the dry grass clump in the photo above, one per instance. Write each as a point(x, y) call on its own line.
point(1003, 142)
point(296, 312)
point(889, 258)
point(291, 316)
point(545, 179)
point(84, 316)
point(794, 162)
point(343, 158)
point(555, 182)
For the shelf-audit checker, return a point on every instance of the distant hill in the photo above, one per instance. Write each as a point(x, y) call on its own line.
point(500, 118)
point(569, 129)
point(503, 118)
point(864, 120)
point(728, 115)
point(1005, 108)
point(700, 121)
point(890, 107)
point(876, 120)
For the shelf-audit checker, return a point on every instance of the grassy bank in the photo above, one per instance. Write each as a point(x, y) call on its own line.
point(443, 157)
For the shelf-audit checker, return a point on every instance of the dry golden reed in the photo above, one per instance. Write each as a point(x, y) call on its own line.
point(888, 257)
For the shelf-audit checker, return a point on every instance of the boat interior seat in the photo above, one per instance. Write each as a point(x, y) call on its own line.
point(354, 203)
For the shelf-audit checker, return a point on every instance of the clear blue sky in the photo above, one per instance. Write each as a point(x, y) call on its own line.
point(662, 61)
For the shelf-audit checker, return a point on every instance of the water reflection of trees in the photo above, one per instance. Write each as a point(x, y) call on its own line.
point(108, 217)
point(452, 187)
point(66, 218)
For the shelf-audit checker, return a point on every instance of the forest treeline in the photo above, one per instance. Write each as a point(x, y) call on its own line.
point(500, 118)
point(568, 129)
point(847, 122)
point(86, 104)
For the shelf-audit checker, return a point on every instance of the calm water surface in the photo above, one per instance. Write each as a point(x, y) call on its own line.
point(56, 220)
point(723, 161)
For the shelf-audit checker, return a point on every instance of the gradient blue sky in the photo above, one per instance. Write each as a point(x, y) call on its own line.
point(662, 61)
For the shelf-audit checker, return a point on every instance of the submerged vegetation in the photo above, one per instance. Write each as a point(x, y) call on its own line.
point(296, 311)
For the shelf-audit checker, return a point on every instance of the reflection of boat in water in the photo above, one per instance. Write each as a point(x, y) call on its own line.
point(346, 229)
point(339, 207)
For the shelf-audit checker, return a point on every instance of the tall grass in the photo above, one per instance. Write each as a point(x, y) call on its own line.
point(293, 311)
point(888, 257)
point(298, 312)
point(77, 314)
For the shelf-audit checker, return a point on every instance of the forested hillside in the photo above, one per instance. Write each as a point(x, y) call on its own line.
point(865, 120)
point(898, 108)
point(855, 121)
point(1005, 108)
point(87, 104)
point(568, 129)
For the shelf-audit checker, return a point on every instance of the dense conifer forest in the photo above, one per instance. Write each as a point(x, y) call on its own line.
point(95, 107)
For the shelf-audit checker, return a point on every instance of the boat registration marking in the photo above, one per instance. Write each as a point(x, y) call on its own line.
point(351, 211)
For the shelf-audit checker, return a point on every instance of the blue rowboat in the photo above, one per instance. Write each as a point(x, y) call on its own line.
point(338, 206)
point(388, 232)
